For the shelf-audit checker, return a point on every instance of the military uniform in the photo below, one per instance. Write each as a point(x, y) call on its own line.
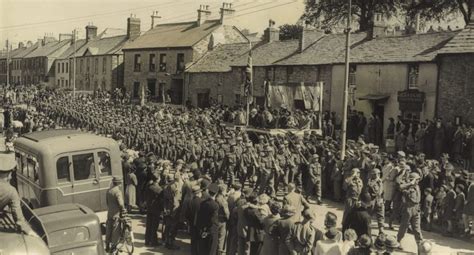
point(353, 185)
point(375, 189)
point(314, 171)
point(411, 210)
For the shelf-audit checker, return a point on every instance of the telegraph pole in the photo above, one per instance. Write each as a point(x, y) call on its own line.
point(74, 67)
point(346, 82)
point(8, 63)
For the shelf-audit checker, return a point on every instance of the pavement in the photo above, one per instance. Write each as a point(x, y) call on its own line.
point(441, 245)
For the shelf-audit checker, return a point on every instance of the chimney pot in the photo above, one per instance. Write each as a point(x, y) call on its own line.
point(271, 34)
point(226, 10)
point(379, 26)
point(91, 32)
point(133, 28)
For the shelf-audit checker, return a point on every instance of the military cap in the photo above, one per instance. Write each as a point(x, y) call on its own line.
point(180, 162)
point(331, 233)
point(365, 241)
point(239, 138)
point(281, 146)
point(391, 242)
point(460, 187)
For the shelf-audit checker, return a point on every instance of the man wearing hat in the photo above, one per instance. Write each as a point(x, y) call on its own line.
point(154, 209)
point(314, 171)
point(267, 170)
point(283, 226)
point(115, 211)
point(207, 224)
point(171, 203)
point(8, 194)
point(375, 189)
point(353, 186)
point(411, 208)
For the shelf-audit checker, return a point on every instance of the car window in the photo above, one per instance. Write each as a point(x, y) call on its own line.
point(32, 169)
point(104, 163)
point(84, 166)
point(62, 169)
point(68, 236)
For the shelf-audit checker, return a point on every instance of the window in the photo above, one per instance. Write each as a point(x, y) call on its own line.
point(62, 67)
point(162, 63)
point(84, 167)
point(67, 67)
point(59, 67)
point(96, 65)
point(68, 236)
point(58, 82)
point(152, 63)
point(105, 167)
point(104, 64)
point(81, 66)
point(62, 169)
point(62, 83)
point(67, 85)
point(136, 89)
point(180, 63)
point(352, 75)
point(137, 63)
point(413, 70)
point(32, 169)
point(88, 65)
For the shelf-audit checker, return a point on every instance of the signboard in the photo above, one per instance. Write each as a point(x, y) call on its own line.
point(411, 100)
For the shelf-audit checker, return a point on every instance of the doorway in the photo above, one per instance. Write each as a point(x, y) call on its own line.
point(379, 111)
point(203, 100)
point(151, 86)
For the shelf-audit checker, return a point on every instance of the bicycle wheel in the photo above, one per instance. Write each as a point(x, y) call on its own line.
point(128, 242)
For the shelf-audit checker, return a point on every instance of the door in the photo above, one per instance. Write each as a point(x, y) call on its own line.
point(203, 100)
point(379, 109)
point(177, 91)
point(152, 88)
point(86, 184)
point(63, 175)
point(105, 176)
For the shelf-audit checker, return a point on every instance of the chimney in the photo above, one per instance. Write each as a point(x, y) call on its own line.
point(226, 10)
point(91, 32)
point(63, 37)
point(203, 14)
point(271, 33)
point(378, 26)
point(29, 44)
point(302, 43)
point(133, 27)
point(21, 45)
point(40, 42)
point(153, 17)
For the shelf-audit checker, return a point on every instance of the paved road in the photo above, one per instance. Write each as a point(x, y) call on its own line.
point(442, 245)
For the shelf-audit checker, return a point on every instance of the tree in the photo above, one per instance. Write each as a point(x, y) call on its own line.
point(290, 31)
point(328, 14)
point(440, 9)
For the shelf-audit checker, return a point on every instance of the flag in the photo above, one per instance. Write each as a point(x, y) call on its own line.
point(248, 77)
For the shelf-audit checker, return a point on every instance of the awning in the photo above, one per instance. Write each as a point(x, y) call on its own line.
point(374, 97)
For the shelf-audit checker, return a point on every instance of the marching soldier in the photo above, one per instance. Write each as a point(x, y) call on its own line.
point(375, 190)
point(353, 186)
point(314, 171)
point(229, 165)
point(411, 208)
point(267, 170)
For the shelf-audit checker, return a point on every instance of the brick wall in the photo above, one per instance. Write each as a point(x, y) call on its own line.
point(456, 87)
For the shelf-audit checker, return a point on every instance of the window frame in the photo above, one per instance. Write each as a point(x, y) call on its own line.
point(152, 62)
point(74, 170)
point(137, 59)
point(412, 79)
point(68, 157)
point(178, 62)
point(163, 61)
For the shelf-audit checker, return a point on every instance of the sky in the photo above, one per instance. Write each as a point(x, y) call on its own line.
point(22, 20)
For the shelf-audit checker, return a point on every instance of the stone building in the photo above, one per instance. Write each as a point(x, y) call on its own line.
point(38, 65)
point(156, 60)
point(456, 78)
point(390, 74)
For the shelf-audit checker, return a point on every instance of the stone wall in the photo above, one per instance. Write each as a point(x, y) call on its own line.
point(456, 87)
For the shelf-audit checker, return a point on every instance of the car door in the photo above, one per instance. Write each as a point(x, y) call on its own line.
point(86, 184)
point(65, 184)
point(105, 176)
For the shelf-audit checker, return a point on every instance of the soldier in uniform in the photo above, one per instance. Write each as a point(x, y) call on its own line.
point(267, 170)
point(8, 194)
point(171, 202)
point(411, 208)
point(229, 165)
point(314, 171)
point(154, 198)
point(375, 190)
point(353, 186)
point(115, 211)
point(281, 160)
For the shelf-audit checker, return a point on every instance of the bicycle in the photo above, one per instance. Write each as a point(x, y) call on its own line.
point(124, 244)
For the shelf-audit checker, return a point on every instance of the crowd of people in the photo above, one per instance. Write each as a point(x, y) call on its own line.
point(237, 192)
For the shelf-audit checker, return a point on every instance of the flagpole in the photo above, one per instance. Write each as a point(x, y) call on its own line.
point(346, 83)
point(251, 87)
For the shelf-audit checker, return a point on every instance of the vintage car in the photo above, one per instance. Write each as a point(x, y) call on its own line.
point(66, 166)
point(71, 229)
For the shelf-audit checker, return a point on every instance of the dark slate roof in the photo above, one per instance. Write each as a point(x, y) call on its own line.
point(51, 49)
point(463, 42)
point(220, 58)
point(104, 46)
point(26, 51)
point(70, 51)
point(15, 52)
point(391, 49)
point(172, 35)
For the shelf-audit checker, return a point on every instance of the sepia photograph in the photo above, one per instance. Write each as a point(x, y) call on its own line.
point(237, 127)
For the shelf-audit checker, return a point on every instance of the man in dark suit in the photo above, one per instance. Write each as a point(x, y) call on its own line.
point(154, 197)
point(254, 218)
point(207, 223)
point(359, 217)
point(192, 218)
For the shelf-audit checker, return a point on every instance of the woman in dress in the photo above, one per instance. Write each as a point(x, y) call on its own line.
point(131, 190)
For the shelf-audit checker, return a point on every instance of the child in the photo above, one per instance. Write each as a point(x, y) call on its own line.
point(350, 237)
point(427, 209)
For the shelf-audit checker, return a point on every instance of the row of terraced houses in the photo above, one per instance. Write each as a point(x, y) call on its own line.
point(392, 72)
